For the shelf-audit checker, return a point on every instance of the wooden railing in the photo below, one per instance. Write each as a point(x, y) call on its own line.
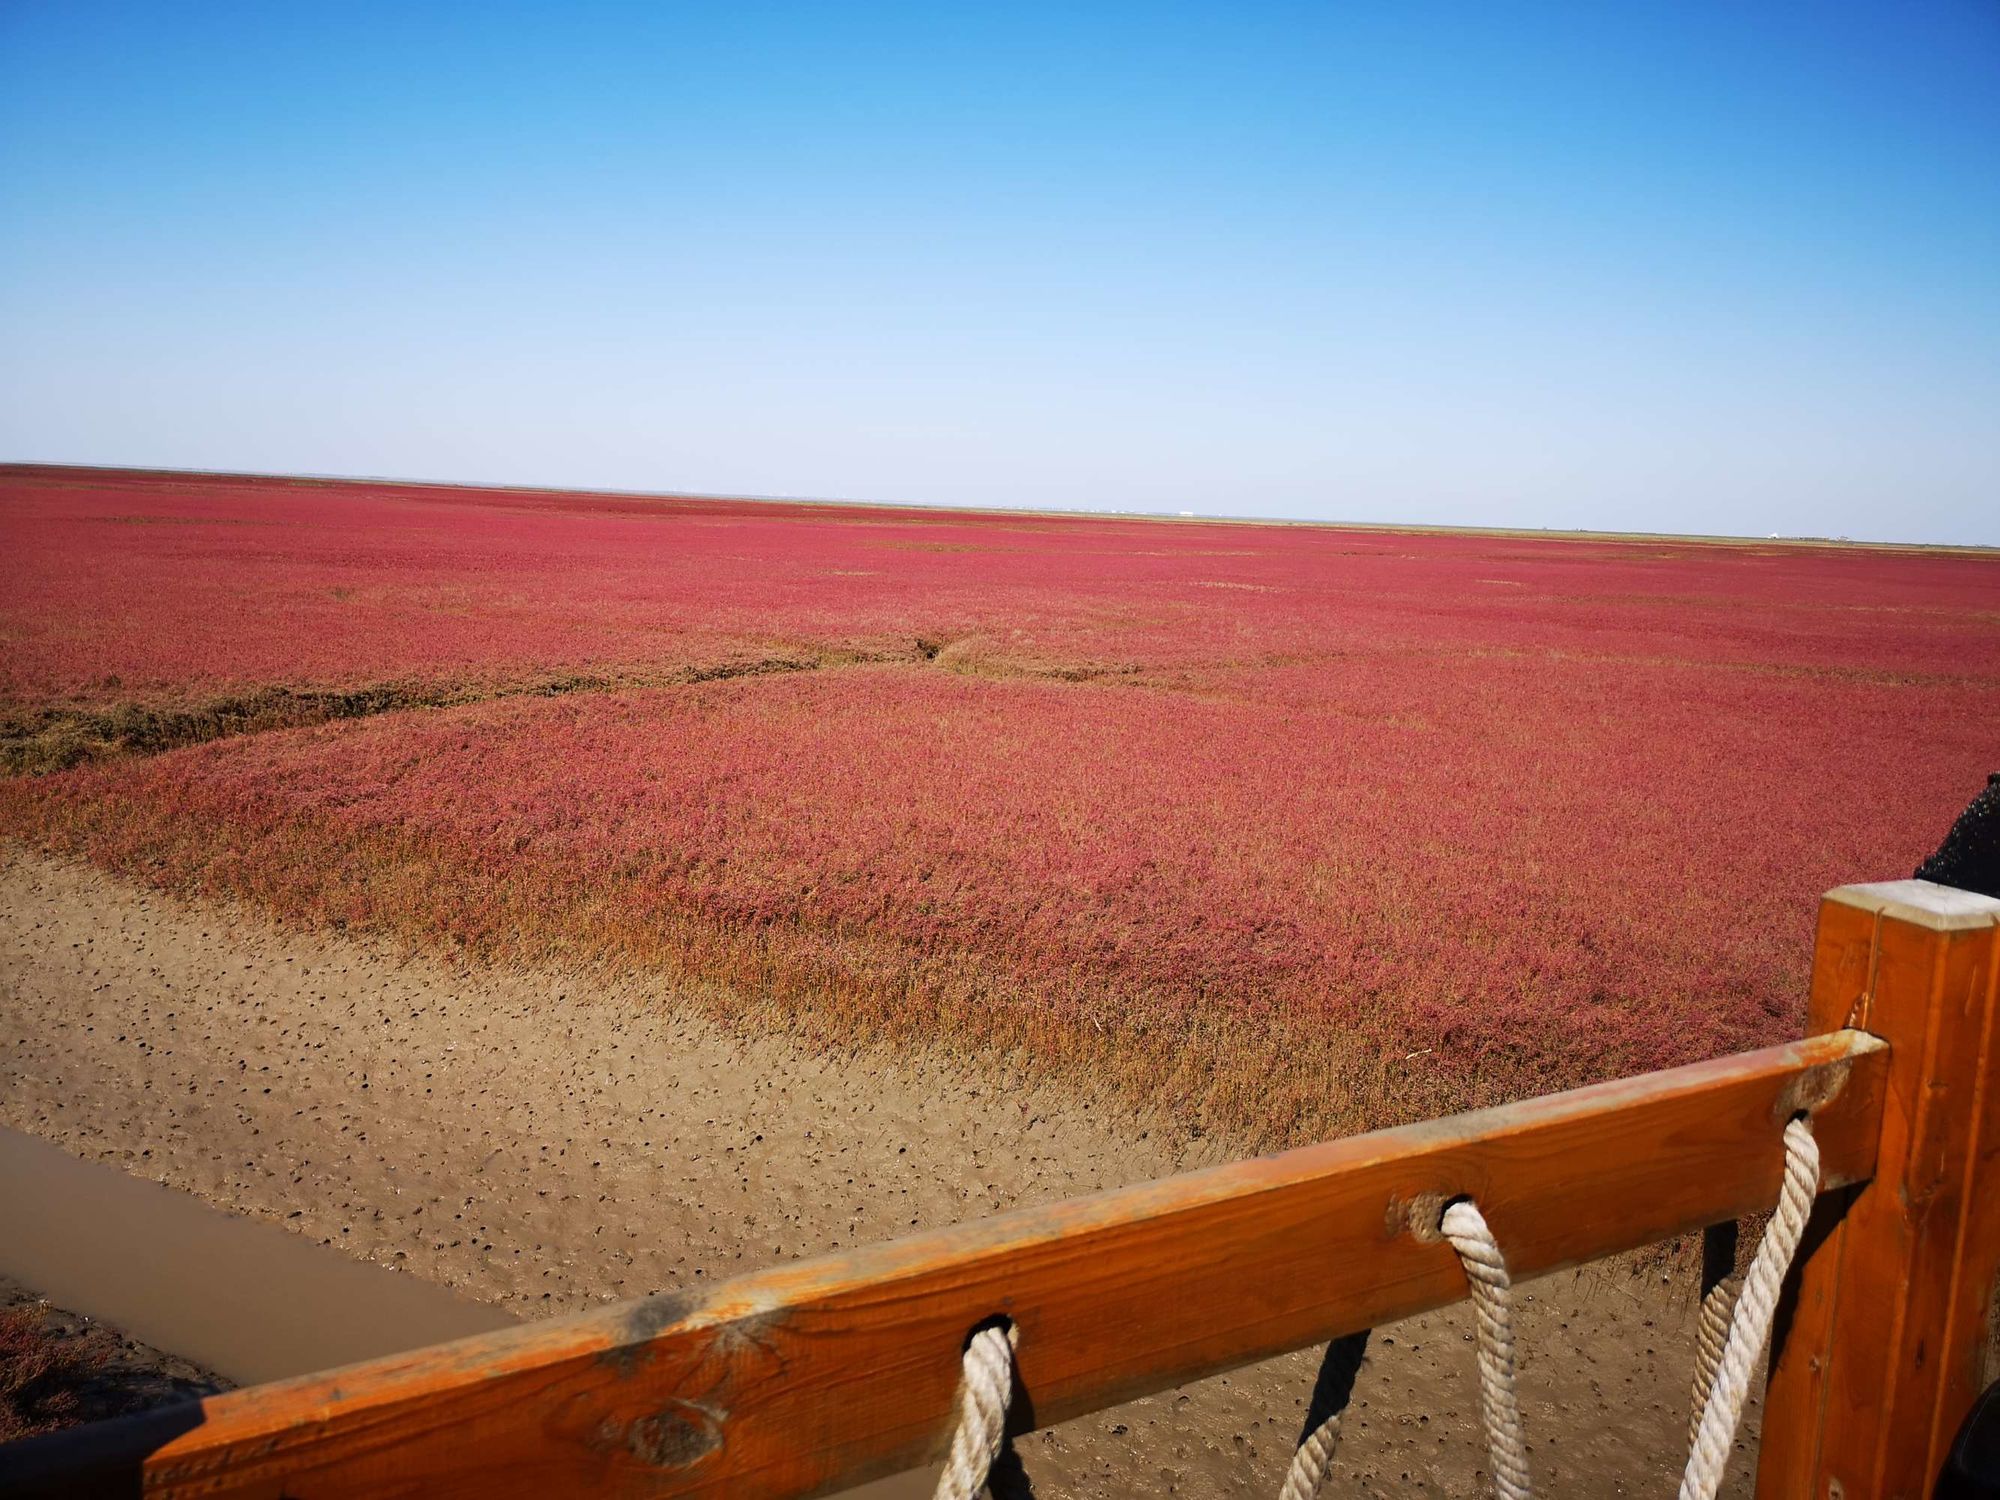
point(810, 1377)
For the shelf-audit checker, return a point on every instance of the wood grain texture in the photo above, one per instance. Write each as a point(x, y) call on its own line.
point(813, 1376)
point(1885, 1334)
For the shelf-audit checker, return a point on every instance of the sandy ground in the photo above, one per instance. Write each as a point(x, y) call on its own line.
point(546, 1145)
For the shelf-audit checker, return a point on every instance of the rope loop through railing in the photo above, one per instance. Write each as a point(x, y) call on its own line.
point(1465, 1228)
point(1726, 1386)
point(1735, 1324)
point(1493, 1311)
point(985, 1390)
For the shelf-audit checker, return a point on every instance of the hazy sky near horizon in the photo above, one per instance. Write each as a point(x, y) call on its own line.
point(1678, 267)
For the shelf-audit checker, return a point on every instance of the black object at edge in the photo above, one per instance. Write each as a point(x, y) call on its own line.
point(1972, 1470)
point(1969, 857)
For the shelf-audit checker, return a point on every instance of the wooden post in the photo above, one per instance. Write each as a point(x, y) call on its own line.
point(1887, 1330)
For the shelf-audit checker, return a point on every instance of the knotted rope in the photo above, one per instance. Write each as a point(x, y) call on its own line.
point(985, 1387)
point(1750, 1327)
point(1493, 1307)
point(1334, 1388)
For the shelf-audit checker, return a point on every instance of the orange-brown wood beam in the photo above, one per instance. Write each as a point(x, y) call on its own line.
point(813, 1376)
point(1887, 1331)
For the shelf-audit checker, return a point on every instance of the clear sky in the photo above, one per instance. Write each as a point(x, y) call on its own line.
point(1683, 267)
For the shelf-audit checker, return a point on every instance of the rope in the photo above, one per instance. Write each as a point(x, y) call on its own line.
point(1750, 1327)
point(1720, 1286)
point(1493, 1303)
point(1736, 1315)
point(1313, 1459)
point(984, 1390)
point(1718, 1306)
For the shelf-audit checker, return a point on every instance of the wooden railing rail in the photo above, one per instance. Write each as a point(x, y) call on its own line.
point(810, 1377)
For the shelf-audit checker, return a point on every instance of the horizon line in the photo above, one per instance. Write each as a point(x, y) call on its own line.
point(1559, 534)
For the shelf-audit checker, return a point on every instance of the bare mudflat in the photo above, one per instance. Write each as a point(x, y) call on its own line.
point(544, 1145)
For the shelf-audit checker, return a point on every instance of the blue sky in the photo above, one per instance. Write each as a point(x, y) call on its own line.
point(1702, 267)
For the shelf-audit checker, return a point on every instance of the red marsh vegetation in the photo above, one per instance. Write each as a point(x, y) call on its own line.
point(1283, 830)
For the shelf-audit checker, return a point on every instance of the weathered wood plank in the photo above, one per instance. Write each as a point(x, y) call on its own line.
point(1886, 1335)
point(812, 1376)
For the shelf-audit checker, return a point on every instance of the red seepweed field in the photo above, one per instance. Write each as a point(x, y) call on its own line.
point(1280, 830)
